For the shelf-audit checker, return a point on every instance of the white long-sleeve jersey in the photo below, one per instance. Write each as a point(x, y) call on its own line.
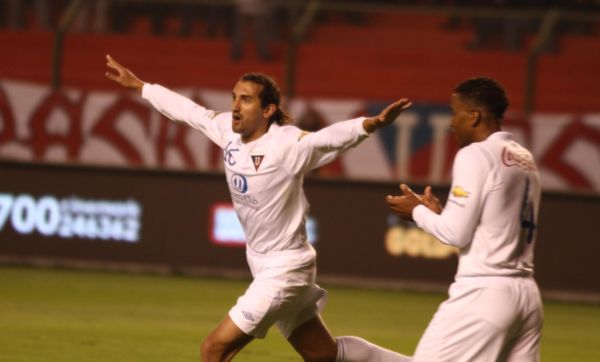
point(492, 209)
point(264, 176)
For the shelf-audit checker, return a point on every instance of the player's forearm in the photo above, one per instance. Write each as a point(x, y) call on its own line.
point(448, 232)
point(339, 136)
point(175, 106)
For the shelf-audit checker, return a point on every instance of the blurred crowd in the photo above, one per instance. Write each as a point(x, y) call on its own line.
point(233, 19)
point(510, 32)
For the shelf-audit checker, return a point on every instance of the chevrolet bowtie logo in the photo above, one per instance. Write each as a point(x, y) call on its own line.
point(458, 191)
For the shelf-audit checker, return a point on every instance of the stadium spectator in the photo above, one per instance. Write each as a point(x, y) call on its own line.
point(265, 161)
point(93, 16)
point(510, 30)
point(494, 310)
point(216, 18)
point(255, 13)
point(17, 13)
point(124, 14)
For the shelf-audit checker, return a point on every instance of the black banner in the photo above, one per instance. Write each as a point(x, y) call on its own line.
point(181, 220)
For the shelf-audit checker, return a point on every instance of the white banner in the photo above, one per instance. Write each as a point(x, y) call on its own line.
point(121, 129)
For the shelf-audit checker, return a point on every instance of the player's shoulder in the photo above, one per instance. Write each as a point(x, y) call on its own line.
point(290, 133)
point(224, 117)
point(475, 153)
point(288, 129)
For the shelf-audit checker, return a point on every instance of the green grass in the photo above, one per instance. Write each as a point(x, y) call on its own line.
point(60, 315)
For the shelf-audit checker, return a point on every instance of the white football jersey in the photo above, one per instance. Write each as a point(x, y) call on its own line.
point(264, 176)
point(492, 208)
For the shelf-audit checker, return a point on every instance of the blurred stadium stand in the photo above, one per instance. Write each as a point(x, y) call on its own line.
point(402, 51)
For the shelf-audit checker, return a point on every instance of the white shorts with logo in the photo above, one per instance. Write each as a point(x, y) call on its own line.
point(485, 319)
point(283, 292)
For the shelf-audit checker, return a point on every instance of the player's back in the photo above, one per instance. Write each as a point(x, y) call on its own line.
point(504, 239)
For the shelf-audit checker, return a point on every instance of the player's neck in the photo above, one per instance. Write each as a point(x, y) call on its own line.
point(485, 130)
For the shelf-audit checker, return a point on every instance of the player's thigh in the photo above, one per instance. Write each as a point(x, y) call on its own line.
point(258, 308)
point(526, 347)
point(525, 344)
point(472, 325)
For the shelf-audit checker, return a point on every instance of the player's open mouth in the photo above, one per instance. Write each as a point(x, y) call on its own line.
point(236, 117)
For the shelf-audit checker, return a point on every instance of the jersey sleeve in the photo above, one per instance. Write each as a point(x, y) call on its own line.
point(456, 224)
point(179, 108)
point(305, 151)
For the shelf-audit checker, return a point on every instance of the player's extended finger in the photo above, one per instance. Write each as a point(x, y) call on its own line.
point(112, 63)
point(428, 193)
point(405, 189)
point(410, 193)
point(406, 105)
point(399, 106)
point(401, 102)
point(392, 200)
point(112, 66)
point(111, 76)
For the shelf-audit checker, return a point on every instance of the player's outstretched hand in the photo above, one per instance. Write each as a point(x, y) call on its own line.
point(124, 76)
point(387, 116)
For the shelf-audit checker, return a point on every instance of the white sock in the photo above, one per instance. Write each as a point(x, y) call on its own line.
point(354, 349)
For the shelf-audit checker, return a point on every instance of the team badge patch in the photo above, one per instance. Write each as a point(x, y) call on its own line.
point(257, 160)
point(458, 191)
point(257, 157)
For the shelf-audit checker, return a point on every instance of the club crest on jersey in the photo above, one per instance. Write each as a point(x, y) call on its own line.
point(458, 191)
point(257, 158)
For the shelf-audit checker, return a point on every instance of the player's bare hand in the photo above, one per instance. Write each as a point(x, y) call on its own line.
point(123, 75)
point(387, 116)
point(404, 204)
point(432, 202)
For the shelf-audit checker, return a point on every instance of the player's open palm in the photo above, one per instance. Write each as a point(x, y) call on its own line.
point(123, 75)
point(387, 116)
point(391, 112)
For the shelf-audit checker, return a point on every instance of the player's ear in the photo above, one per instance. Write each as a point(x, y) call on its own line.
point(269, 110)
point(475, 117)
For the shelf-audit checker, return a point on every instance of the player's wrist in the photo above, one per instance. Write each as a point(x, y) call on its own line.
point(369, 125)
point(138, 86)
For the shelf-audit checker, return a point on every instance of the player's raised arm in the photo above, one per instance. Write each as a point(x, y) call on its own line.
point(124, 76)
point(387, 116)
point(318, 148)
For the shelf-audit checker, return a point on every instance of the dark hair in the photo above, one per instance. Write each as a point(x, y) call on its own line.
point(484, 92)
point(270, 94)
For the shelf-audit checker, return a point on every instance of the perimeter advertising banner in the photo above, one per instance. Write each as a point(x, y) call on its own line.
point(179, 221)
point(119, 129)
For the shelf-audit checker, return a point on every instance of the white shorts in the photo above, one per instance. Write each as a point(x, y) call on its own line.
point(283, 292)
point(485, 319)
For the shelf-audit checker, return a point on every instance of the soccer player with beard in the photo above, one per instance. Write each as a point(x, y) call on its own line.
point(265, 160)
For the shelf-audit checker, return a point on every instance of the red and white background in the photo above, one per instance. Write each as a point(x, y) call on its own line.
point(89, 127)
